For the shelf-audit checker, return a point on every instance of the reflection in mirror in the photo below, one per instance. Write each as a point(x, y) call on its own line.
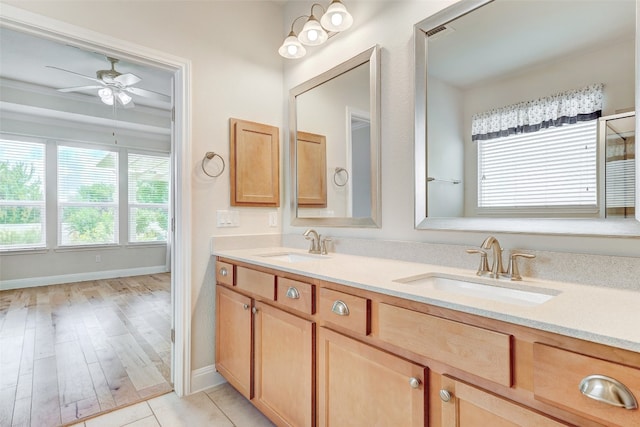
point(335, 157)
point(509, 125)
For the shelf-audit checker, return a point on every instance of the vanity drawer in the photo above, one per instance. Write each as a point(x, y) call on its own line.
point(224, 273)
point(478, 351)
point(557, 375)
point(297, 295)
point(344, 310)
point(256, 282)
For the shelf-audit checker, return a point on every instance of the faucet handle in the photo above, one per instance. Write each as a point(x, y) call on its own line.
point(483, 268)
point(323, 245)
point(513, 271)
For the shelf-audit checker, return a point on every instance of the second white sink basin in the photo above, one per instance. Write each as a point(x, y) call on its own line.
point(497, 291)
point(293, 257)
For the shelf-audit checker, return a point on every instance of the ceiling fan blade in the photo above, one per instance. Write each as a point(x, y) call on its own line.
point(148, 94)
point(128, 105)
point(128, 79)
point(77, 74)
point(77, 88)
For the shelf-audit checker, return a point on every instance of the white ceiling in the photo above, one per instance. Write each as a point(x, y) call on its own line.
point(506, 36)
point(24, 58)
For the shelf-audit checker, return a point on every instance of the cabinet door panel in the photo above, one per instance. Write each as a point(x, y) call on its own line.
point(471, 407)
point(233, 339)
point(284, 366)
point(359, 385)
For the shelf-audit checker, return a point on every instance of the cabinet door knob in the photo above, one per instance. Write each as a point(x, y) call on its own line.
point(293, 293)
point(340, 308)
point(445, 396)
point(414, 382)
point(608, 390)
point(245, 306)
point(224, 272)
point(254, 310)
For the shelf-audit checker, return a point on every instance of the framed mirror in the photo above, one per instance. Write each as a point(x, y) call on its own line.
point(481, 63)
point(335, 145)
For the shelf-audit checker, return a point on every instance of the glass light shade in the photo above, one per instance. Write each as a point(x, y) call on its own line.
point(105, 92)
point(336, 18)
point(124, 98)
point(312, 33)
point(107, 99)
point(291, 48)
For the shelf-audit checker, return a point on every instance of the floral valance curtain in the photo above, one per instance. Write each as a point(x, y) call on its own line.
point(555, 110)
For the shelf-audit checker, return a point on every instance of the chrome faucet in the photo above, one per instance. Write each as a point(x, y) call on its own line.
point(313, 235)
point(496, 260)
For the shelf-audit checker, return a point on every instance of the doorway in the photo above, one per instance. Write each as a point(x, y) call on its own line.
point(179, 248)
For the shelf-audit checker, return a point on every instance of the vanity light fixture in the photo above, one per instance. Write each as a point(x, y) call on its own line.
point(336, 18)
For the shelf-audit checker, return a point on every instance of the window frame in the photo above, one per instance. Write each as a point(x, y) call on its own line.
point(42, 204)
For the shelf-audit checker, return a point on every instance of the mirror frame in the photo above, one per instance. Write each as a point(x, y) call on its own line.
point(560, 226)
point(371, 56)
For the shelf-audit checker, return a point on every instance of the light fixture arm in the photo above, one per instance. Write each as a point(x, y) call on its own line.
point(321, 7)
point(296, 20)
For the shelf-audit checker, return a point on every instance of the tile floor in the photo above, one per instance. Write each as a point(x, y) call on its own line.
point(221, 406)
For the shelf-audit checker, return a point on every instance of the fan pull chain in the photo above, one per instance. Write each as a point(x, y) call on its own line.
point(115, 123)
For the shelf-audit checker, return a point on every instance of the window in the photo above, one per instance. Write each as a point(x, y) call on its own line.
point(22, 195)
point(148, 198)
point(553, 168)
point(87, 196)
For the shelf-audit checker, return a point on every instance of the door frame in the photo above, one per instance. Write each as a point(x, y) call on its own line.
point(52, 29)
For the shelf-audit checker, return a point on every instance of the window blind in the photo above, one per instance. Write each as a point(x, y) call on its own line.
point(87, 196)
point(148, 197)
point(551, 168)
point(620, 183)
point(22, 195)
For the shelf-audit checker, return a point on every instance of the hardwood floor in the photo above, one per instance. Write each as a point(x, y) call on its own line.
point(71, 351)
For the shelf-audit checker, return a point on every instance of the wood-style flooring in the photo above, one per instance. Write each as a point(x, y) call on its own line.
point(73, 350)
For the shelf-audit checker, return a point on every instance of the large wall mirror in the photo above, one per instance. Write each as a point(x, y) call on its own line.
point(335, 145)
point(525, 117)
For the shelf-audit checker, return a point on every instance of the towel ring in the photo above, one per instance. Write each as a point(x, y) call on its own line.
point(209, 155)
point(335, 175)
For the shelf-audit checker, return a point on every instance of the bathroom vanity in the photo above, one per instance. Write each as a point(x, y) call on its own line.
point(348, 340)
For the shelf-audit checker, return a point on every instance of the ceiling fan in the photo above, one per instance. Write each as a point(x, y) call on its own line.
point(114, 87)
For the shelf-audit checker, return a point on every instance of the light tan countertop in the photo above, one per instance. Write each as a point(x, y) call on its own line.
point(602, 315)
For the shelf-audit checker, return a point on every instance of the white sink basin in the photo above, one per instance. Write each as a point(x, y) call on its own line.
point(293, 257)
point(493, 290)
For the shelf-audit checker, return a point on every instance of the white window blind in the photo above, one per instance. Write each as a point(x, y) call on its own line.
point(620, 184)
point(551, 168)
point(87, 196)
point(148, 198)
point(22, 195)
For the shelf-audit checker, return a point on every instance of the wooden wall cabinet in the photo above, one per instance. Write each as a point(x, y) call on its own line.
point(311, 164)
point(254, 164)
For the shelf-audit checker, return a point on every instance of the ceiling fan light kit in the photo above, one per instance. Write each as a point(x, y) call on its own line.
point(336, 18)
point(114, 86)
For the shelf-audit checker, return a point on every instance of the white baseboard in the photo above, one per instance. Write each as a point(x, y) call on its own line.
point(204, 378)
point(79, 277)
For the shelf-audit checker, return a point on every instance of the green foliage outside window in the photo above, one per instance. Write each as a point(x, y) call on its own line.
point(18, 183)
point(91, 224)
point(151, 223)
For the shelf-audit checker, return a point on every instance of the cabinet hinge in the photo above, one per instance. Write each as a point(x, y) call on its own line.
point(173, 114)
point(173, 224)
point(173, 335)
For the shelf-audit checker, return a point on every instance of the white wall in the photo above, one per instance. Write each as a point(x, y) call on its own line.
point(390, 24)
point(236, 72)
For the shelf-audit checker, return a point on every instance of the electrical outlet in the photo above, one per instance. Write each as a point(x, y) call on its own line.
point(98, 258)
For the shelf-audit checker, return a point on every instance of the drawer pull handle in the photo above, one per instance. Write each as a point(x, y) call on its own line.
point(608, 390)
point(414, 382)
point(445, 396)
point(254, 310)
point(245, 306)
point(224, 272)
point(293, 293)
point(340, 308)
